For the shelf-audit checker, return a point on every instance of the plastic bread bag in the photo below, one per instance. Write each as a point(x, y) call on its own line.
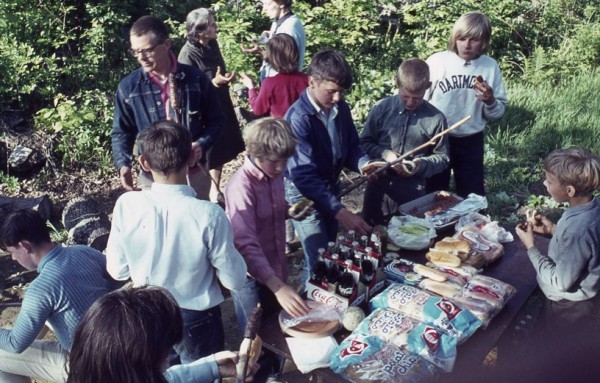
point(368, 359)
point(479, 308)
point(402, 271)
point(406, 299)
point(317, 313)
point(410, 232)
point(488, 228)
point(424, 307)
point(459, 275)
point(422, 339)
point(489, 289)
point(490, 250)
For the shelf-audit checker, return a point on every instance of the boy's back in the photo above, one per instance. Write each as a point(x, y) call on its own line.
point(166, 237)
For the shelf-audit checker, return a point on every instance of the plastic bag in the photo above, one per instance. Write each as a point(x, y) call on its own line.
point(488, 228)
point(422, 339)
point(363, 359)
point(472, 204)
point(320, 313)
point(410, 232)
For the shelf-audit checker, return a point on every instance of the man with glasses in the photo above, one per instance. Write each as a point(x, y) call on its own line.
point(163, 89)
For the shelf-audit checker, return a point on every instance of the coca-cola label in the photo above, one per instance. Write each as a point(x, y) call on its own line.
point(356, 347)
point(329, 299)
point(431, 337)
point(450, 309)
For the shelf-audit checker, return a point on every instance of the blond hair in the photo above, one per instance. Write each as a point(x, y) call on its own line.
point(575, 167)
point(471, 25)
point(413, 75)
point(270, 138)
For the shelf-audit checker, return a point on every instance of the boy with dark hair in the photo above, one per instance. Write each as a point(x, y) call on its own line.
point(69, 280)
point(327, 142)
point(394, 126)
point(165, 237)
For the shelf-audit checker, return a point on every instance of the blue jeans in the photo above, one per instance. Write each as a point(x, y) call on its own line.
point(315, 231)
point(246, 299)
point(202, 334)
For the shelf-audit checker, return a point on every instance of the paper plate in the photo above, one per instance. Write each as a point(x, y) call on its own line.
point(309, 329)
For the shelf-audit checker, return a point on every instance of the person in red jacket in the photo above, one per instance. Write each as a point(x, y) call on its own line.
point(278, 92)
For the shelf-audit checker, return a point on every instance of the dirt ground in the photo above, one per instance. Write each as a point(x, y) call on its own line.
point(62, 185)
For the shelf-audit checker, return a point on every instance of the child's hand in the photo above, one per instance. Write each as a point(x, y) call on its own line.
point(301, 209)
point(254, 49)
point(543, 225)
point(247, 81)
point(351, 221)
point(525, 233)
point(291, 302)
point(483, 91)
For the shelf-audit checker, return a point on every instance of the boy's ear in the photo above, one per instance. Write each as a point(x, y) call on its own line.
point(571, 191)
point(25, 244)
point(144, 163)
point(190, 160)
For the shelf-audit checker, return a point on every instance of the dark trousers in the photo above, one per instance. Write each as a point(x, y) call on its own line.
point(384, 196)
point(202, 334)
point(466, 161)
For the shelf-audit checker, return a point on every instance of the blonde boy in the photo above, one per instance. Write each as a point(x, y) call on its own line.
point(394, 126)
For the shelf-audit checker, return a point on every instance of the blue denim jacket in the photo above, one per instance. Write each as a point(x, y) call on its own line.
point(312, 169)
point(138, 104)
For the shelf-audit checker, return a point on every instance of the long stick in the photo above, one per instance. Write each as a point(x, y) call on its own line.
point(403, 157)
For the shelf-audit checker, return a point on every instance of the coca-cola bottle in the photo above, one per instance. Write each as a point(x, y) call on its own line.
point(331, 248)
point(364, 241)
point(367, 270)
point(346, 283)
point(333, 273)
point(318, 273)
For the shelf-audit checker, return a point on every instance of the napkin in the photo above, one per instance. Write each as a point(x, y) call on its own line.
point(311, 353)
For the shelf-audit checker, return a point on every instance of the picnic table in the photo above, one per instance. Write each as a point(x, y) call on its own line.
point(513, 267)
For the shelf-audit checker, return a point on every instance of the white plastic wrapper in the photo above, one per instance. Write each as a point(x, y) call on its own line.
point(472, 204)
point(410, 232)
point(488, 228)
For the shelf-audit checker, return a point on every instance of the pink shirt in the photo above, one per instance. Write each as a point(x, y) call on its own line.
point(165, 90)
point(256, 206)
point(277, 93)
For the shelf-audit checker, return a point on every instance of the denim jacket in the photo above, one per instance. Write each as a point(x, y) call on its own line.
point(138, 104)
point(312, 169)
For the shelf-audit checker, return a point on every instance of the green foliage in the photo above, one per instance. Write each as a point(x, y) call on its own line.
point(8, 184)
point(82, 126)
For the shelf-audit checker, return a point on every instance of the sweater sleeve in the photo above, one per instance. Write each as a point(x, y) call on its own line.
point(203, 370)
point(497, 109)
point(35, 310)
point(260, 100)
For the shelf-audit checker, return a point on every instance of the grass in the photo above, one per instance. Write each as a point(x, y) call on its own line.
point(538, 119)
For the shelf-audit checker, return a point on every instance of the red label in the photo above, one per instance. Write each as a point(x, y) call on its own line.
point(450, 309)
point(431, 338)
point(356, 347)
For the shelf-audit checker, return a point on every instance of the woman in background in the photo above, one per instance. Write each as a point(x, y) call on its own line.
point(202, 50)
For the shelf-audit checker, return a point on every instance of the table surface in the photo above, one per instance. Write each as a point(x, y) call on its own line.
point(513, 267)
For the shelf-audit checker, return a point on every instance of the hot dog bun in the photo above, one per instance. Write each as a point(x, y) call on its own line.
point(452, 245)
point(442, 258)
point(430, 273)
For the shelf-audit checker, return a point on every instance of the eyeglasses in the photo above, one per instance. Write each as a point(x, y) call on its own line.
point(137, 52)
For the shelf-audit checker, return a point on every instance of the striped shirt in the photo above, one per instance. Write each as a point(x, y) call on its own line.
point(70, 279)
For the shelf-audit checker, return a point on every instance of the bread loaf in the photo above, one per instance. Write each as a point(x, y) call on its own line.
point(445, 289)
point(453, 245)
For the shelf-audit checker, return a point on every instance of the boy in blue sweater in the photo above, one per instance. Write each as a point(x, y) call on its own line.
point(69, 280)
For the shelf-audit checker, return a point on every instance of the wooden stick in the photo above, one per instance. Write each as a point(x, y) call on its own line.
point(403, 157)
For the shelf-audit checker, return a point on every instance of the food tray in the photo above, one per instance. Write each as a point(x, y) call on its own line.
point(422, 205)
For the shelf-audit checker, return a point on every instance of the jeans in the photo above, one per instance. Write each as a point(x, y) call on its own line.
point(314, 231)
point(466, 161)
point(44, 360)
point(203, 334)
point(246, 299)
